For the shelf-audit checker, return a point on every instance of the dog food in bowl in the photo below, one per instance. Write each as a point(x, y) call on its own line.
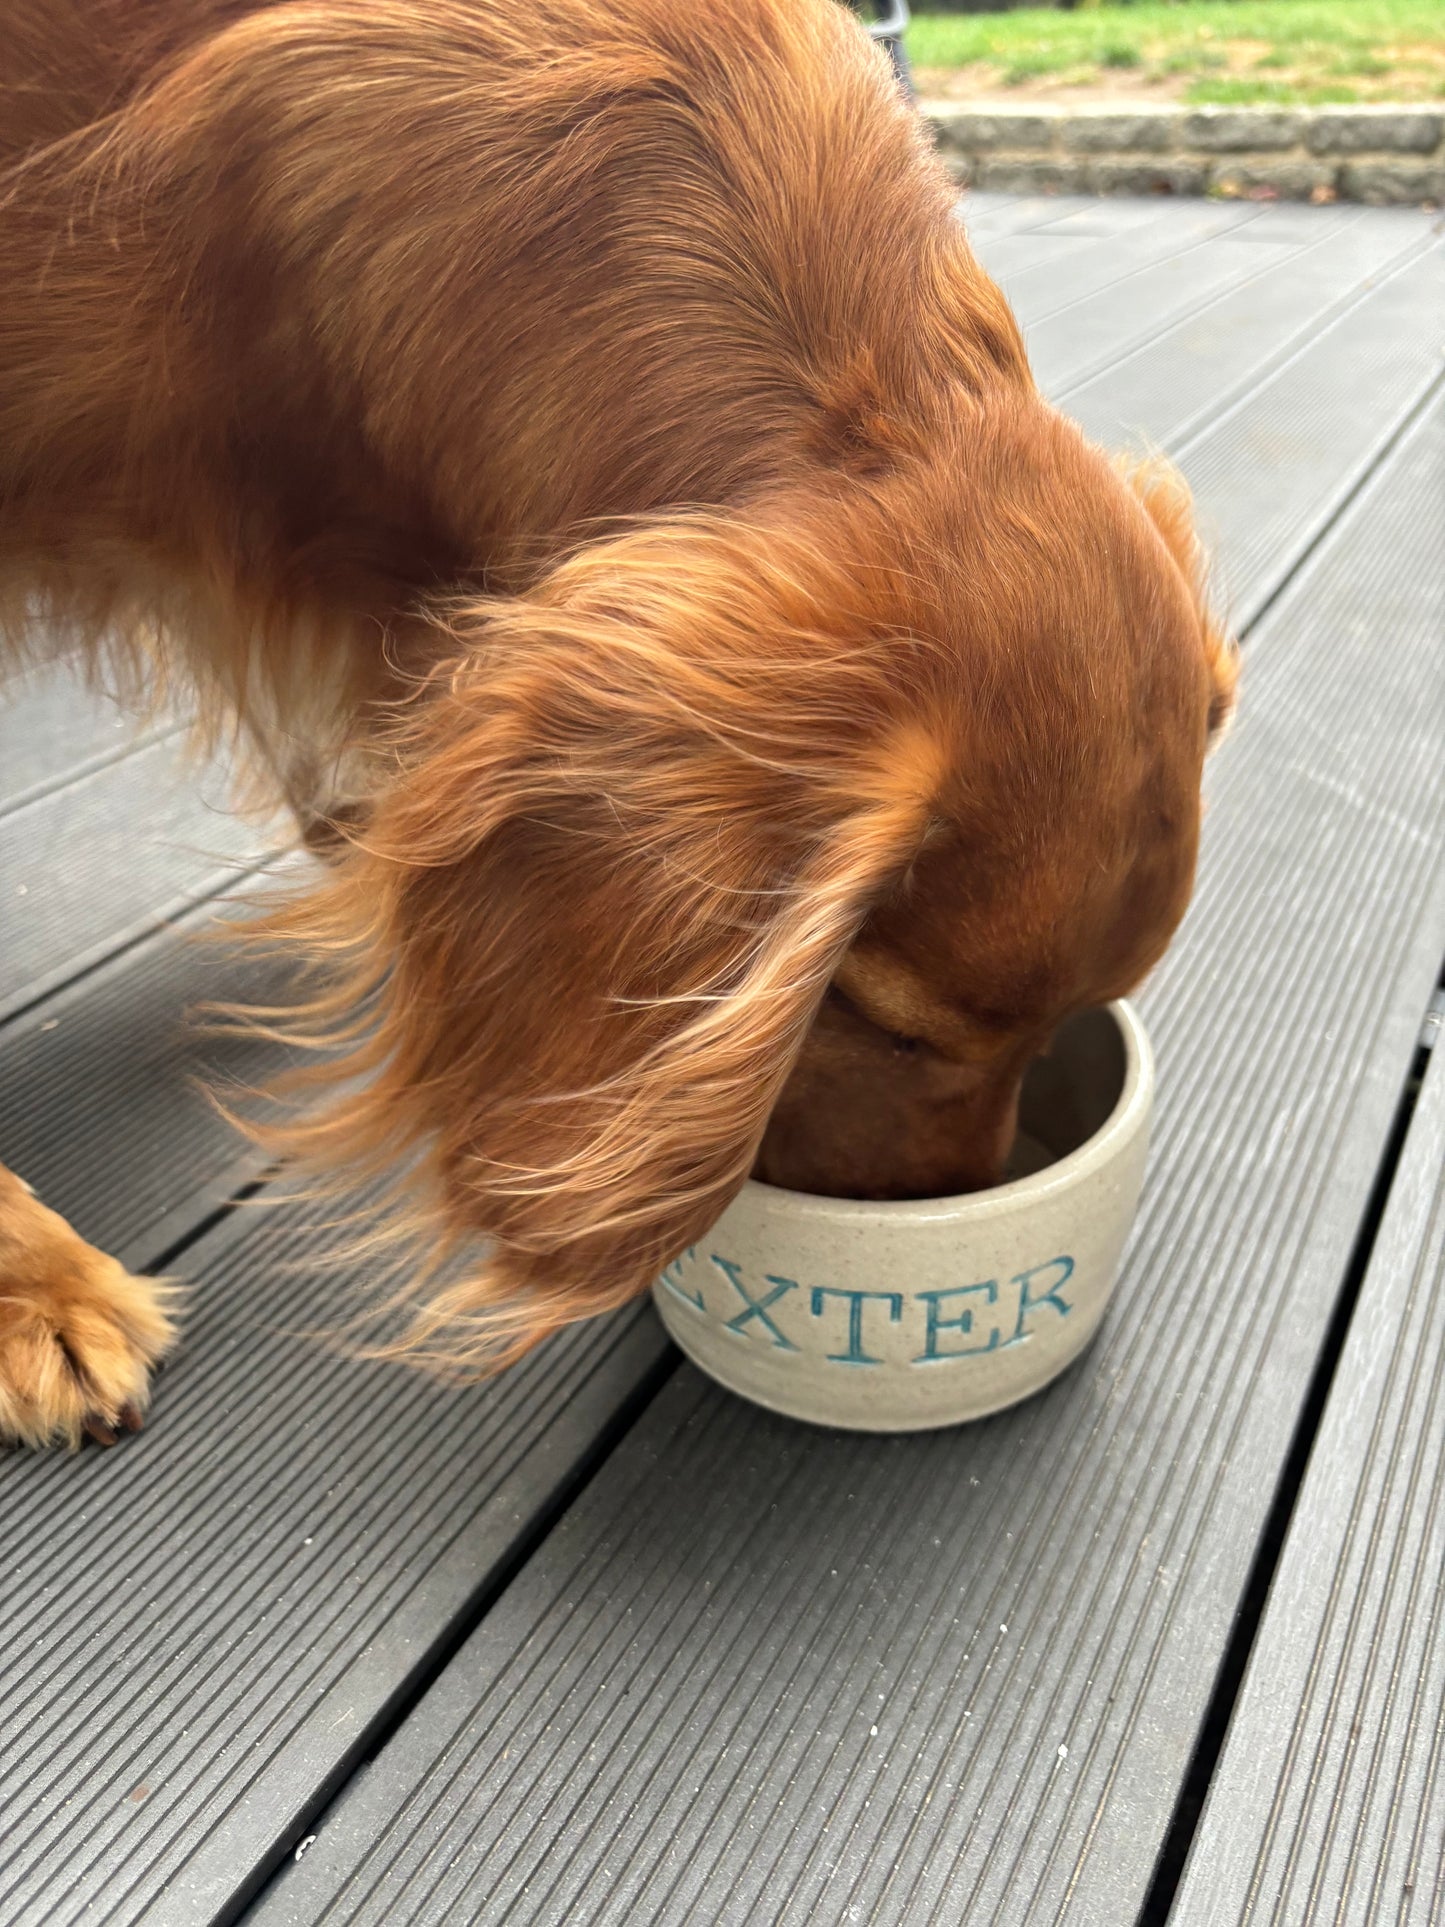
point(902, 1316)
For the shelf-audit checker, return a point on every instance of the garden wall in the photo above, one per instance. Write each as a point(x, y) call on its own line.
point(1383, 155)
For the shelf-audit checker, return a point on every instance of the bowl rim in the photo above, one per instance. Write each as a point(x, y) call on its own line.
point(1131, 1108)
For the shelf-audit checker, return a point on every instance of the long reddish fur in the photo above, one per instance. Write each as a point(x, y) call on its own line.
point(501, 415)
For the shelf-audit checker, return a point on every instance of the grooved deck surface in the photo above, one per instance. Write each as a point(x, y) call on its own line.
point(78, 883)
point(1178, 382)
point(668, 1679)
point(278, 1551)
point(139, 1137)
point(1328, 1802)
point(52, 729)
point(959, 1677)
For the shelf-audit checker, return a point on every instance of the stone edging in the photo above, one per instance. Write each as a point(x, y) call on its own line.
point(1384, 155)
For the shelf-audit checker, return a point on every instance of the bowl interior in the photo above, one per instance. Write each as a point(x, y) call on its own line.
point(1071, 1093)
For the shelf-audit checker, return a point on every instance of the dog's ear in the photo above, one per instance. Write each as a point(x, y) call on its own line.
point(638, 819)
point(1166, 499)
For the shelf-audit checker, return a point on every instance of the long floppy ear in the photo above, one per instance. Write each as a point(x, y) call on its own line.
point(1165, 496)
point(639, 817)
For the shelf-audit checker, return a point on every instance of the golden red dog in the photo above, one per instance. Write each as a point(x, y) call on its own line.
point(576, 448)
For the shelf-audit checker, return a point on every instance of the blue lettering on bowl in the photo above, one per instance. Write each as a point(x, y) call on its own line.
point(977, 1312)
point(1027, 1301)
point(936, 1326)
point(963, 1323)
point(855, 1354)
point(672, 1278)
point(756, 1307)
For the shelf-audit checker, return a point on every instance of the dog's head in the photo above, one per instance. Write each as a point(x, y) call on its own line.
point(1059, 855)
point(825, 817)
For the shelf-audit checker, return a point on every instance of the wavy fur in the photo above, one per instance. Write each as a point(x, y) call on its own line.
point(574, 444)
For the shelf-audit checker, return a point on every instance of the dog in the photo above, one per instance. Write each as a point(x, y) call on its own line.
point(574, 448)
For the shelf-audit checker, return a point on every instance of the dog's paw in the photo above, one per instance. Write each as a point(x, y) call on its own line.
point(79, 1335)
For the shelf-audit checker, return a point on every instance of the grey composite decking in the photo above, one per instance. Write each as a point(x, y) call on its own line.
point(210, 1680)
point(104, 1090)
point(52, 731)
point(1329, 1801)
point(79, 884)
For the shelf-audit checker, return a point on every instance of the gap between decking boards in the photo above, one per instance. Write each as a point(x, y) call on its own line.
point(445, 1648)
point(1179, 1836)
point(178, 915)
point(1286, 355)
point(90, 766)
point(1347, 497)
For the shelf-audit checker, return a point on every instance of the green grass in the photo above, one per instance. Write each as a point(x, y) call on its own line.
point(1268, 93)
point(1223, 50)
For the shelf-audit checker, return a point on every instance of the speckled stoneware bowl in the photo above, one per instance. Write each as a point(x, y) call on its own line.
point(898, 1317)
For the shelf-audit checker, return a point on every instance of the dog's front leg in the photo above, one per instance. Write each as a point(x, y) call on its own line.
point(78, 1333)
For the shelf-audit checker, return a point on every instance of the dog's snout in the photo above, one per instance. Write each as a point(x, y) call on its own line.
point(838, 1134)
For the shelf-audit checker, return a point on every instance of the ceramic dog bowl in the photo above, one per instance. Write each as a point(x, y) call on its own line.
point(899, 1317)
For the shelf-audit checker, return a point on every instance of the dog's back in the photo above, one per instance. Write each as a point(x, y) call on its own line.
point(315, 308)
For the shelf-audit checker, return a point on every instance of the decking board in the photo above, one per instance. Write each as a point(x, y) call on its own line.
point(113, 854)
point(53, 729)
point(1068, 260)
point(215, 1618)
point(1169, 258)
point(1176, 384)
point(1310, 385)
point(104, 1104)
point(1074, 337)
point(1015, 213)
point(1274, 468)
point(1326, 1803)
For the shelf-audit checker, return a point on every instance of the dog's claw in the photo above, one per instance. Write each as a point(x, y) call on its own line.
point(105, 1431)
point(79, 1333)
